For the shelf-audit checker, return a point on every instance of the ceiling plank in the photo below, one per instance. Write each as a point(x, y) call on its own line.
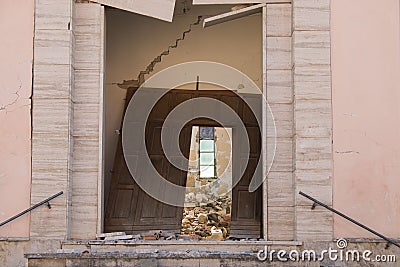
point(232, 15)
point(160, 9)
point(213, 2)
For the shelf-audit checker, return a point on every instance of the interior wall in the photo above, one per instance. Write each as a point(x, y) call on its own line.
point(133, 41)
point(200, 191)
point(16, 54)
point(366, 115)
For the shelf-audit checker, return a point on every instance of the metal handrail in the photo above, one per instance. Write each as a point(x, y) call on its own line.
point(316, 202)
point(46, 201)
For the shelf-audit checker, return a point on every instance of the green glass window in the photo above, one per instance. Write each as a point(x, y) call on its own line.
point(207, 152)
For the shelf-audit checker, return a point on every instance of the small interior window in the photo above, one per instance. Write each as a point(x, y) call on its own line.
point(207, 152)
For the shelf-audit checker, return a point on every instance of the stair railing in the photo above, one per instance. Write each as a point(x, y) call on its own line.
point(316, 202)
point(46, 201)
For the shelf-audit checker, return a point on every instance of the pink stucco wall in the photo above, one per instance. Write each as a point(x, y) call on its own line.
point(366, 115)
point(16, 53)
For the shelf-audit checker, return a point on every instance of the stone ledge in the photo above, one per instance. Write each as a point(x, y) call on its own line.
point(370, 240)
point(248, 255)
point(183, 243)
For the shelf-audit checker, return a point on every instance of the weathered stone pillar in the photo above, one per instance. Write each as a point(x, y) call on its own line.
point(52, 114)
point(87, 187)
point(280, 98)
point(312, 117)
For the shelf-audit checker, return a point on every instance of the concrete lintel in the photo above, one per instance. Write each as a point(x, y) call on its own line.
point(232, 15)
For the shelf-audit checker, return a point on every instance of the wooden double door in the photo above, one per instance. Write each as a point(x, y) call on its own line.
point(132, 210)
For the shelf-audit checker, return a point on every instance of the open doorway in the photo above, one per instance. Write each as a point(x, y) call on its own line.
point(208, 197)
point(132, 42)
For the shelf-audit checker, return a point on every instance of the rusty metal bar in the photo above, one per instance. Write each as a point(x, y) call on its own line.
point(44, 202)
point(316, 202)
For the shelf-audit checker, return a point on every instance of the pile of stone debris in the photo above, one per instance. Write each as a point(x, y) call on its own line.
point(209, 222)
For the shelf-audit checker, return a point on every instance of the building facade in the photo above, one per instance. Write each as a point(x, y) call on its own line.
point(328, 70)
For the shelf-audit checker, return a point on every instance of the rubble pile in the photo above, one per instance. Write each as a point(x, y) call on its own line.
point(210, 221)
point(147, 235)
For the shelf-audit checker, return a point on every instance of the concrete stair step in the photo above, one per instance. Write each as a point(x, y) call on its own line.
point(156, 253)
point(150, 258)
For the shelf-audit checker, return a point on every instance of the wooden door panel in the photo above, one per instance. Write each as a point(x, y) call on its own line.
point(246, 207)
point(150, 211)
point(169, 211)
point(121, 210)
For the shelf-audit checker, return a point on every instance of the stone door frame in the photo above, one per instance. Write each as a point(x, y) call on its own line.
point(68, 112)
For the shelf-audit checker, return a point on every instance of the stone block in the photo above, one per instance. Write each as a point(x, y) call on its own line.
point(279, 20)
point(317, 184)
point(312, 82)
point(279, 86)
point(314, 225)
point(86, 154)
point(50, 14)
point(311, 15)
point(87, 84)
point(86, 119)
point(279, 54)
point(281, 223)
point(52, 81)
point(53, 47)
point(311, 48)
point(313, 118)
point(313, 153)
point(283, 160)
point(280, 189)
point(283, 120)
